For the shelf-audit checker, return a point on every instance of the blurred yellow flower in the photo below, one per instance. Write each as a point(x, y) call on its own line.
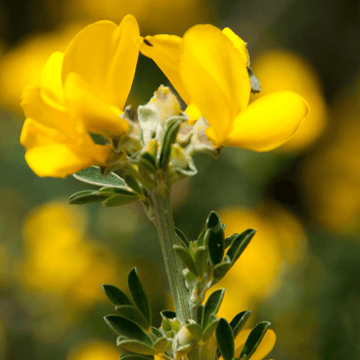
point(59, 260)
point(283, 70)
point(331, 174)
point(82, 90)
point(22, 64)
point(208, 68)
point(279, 243)
point(96, 350)
point(153, 15)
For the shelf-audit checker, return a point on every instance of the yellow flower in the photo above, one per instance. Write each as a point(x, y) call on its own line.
point(81, 91)
point(96, 350)
point(283, 70)
point(208, 68)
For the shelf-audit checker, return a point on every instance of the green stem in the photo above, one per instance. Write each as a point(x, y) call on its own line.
point(164, 223)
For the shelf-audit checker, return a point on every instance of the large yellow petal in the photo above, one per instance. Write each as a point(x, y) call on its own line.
point(55, 117)
point(239, 44)
point(268, 122)
point(266, 345)
point(105, 56)
point(215, 76)
point(165, 51)
point(50, 81)
point(96, 115)
point(51, 153)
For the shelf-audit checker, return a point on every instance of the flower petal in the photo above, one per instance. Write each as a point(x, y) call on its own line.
point(105, 56)
point(215, 76)
point(268, 122)
point(266, 345)
point(96, 115)
point(55, 117)
point(50, 81)
point(239, 43)
point(194, 113)
point(50, 153)
point(165, 51)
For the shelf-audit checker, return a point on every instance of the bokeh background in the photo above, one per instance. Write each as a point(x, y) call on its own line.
point(302, 269)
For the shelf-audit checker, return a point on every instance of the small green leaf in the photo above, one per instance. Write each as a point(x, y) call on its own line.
point(201, 240)
point(127, 328)
point(230, 239)
point(182, 237)
point(212, 306)
point(115, 295)
point(132, 183)
point(195, 331)
point(160, 345)
point(132, 357)
point(215, 238)
point(220, 270)
point(199, 313)
point(225, 339)
point(254, 339)
point(138, 294)
point(169, 139)
point(239, 244)
point(135, 346)
point(239, 321)
point(132, 313)
point(92, 176)
point(148, 163)
point(86, 197)
point(210, 328)
point(186, 258)
point(116, 200)
point(168, 314)
point(200, 260)
point(156, 332)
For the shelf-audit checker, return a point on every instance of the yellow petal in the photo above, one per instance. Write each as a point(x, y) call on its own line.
point(194, 113)
point(266, 345)
point(55, 117)
point(215, 76)
point(50, 81)
point(105, 56)
point(96, 115)
point(239, 44)
point(165, 51)
point(50, 153)
point(268, 122)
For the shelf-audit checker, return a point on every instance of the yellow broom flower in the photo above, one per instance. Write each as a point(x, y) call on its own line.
point(208, 68)
point(81, 91)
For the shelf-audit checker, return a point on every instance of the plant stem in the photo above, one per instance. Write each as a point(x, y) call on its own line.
point(164, 223)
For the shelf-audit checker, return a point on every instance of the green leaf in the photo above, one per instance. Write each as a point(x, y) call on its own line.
point(168, 314)
point(156, 332)
point(132, 357)
point(201, 255)
point(225, 339)
point(135, 346)
point(147, 163)
point(210, 328)
point(239, 321)
point(116, 200)
point(160, 345)
point(132, 313)
point(182, 237)
point(132, 183)
point(199, 313)
point(212, 306)
point(138, 294)
point(115, 295)
point(169, 139)
point(230, 239)
point(92, 176)
point(186, 258)
point(127, 328)
point(239, 244)
point(254, 339)
point(195, 331)
point(86, 197)
point(215, 238)
point(220, 270)
point(201, 240)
